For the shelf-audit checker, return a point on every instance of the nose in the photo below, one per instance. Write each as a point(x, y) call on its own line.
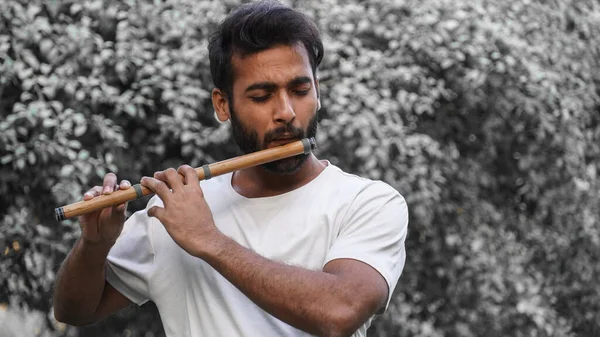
point(284, 111)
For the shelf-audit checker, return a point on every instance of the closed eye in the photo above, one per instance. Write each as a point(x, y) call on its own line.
point(302, 92)
point(259, 99)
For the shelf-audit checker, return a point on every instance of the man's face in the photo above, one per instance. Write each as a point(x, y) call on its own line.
point(274, 102)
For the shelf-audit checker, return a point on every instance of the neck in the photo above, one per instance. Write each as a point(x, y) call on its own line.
point(256, 182)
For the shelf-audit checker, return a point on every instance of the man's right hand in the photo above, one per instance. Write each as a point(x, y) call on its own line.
point(104, 226)
point(82, 295)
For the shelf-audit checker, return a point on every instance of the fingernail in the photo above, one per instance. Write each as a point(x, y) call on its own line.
point(106, 189)
point(126, 183)
point(88, 194)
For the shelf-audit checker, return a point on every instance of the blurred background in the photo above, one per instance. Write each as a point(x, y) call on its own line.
point(484, 114)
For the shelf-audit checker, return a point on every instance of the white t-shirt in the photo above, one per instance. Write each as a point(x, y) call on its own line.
point(336, 215)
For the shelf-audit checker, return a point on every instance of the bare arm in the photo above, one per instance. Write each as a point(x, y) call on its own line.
point(81, 294)
point(333, 302)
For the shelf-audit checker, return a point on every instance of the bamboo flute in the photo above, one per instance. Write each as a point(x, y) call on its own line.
point(207, 171)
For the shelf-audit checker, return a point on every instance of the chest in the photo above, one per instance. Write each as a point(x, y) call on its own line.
point(294, 234)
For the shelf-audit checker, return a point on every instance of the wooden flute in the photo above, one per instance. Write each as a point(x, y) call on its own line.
point(207, 171)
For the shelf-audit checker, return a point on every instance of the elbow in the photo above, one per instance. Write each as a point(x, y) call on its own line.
point(342, 322)
point(60, 315)
point(73, 322)
point(64, 317)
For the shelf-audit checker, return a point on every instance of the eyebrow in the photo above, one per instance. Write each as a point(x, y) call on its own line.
point(270, 86)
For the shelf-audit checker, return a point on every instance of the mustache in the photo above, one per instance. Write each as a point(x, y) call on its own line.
point(284, 130)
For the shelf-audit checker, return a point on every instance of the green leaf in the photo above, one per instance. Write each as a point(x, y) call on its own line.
point(31, 158)
point(49, 123)
point(67, 170)
point(80, 130)
point(74, 144)
point(130, 109)
point(6, 159)
point(25, 73)
point(100, 172)
point(83, 155)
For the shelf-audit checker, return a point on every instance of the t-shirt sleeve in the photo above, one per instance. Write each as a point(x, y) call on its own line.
point(373, 231)
point(131, 260)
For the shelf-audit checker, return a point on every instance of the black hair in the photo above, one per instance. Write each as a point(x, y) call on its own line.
point(255, 27)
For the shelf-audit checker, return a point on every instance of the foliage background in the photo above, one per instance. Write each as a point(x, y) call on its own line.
point(483, 114)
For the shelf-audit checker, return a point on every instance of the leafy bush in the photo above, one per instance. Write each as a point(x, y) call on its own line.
point(483, 114)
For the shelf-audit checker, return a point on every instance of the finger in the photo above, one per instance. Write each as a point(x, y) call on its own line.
point(156, 212)
point(125, 184)
point(158, 187)
point(160, 175)
point(105, 213)
point(190, 175)
point(110, 180)
point(122, 207)
point(93, 192)
point(172, 179)
point(111, 216)
point(118, 213)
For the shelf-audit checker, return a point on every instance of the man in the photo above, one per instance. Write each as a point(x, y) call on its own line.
point(292, 248)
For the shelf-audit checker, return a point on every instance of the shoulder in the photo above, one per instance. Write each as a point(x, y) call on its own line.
point(362, 187)
point(369, 200)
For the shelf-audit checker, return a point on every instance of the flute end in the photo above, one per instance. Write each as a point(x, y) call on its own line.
point(59, 214)
point(309, 144)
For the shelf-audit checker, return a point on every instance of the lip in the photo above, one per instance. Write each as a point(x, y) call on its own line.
point(285, 136)
point(282, 141)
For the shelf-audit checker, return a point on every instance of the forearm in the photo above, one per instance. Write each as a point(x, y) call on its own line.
point(314, 301)
point(80, 283)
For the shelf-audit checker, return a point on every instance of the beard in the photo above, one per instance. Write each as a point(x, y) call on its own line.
point(247, 141)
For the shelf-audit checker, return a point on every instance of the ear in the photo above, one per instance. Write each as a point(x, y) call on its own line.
point(318, 93)
point(221, 105)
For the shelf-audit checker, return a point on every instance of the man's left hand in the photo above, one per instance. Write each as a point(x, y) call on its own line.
point(186, 215)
